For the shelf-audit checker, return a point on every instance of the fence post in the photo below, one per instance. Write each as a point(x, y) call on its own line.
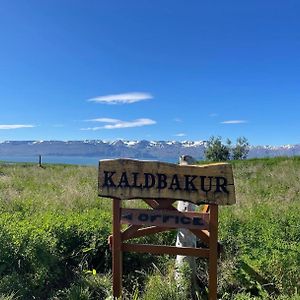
point(40, 160)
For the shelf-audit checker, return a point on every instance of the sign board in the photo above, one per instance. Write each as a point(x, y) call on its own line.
point(165, 218)
point(159, 185)
point(133, 179)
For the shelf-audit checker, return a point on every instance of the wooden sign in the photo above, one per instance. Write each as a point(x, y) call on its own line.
point(133, 179)
point(160, 185)
point(165, 218)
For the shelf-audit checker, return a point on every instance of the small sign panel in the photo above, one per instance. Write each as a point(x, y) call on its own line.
point(134, 179)
point(165, 218)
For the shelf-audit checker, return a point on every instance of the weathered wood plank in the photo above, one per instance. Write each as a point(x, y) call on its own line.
point(133, 179)
point(202, 235)
point(143, 232)
point(130, 231)
point(165, 218)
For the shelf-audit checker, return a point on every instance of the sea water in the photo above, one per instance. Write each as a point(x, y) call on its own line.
point(72, 160)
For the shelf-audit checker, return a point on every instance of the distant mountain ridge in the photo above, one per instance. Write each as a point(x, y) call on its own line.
point(164, 150)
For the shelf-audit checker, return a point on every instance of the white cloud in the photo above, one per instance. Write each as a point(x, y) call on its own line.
point(212, 115)
point(234, 122)
point(15, 126)
point(180, 134)
point(125, 98)
point(116, 124)
point(104, 120)
point(91, 128)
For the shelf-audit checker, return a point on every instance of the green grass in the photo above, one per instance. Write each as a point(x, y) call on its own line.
point(263, 229)
point(54, 230)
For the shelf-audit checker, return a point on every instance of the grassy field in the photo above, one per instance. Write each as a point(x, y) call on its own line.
point(54, 230)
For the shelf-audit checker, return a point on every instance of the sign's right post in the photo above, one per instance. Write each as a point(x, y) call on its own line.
point(213, 252)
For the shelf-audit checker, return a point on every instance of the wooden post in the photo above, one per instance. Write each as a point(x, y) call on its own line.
point(213, 252)
point(40, 160)
point(117, 249)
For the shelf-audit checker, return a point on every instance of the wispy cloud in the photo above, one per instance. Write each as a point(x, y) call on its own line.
point(104, 120)
point(178, 120)
point(180, 134)
point(116, 124)
point(212, 115)
point(15, 126)
point(234, 122)
point(125, 98)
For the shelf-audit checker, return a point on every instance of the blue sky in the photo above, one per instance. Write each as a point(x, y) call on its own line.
point(156, 70)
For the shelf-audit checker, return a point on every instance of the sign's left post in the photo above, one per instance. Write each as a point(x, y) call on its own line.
point(117, 249)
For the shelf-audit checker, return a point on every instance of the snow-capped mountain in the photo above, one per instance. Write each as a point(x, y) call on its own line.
point(158, 150)
point(167, 150)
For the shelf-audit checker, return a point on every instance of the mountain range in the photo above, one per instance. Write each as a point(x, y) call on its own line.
point(158, 150)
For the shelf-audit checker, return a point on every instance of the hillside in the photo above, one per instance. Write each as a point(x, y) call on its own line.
point(54, 230)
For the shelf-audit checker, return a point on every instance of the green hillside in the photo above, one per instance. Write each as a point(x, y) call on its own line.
point(54, 230)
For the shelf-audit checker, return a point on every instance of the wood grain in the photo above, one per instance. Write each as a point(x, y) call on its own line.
point(134, 179)
point(165, 218)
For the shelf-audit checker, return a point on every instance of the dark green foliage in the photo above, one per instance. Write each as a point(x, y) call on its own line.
point(217, 151)
point(241, 149)
point(45, 252)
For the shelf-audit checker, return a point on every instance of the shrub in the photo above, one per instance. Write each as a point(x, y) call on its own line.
point(47, 252)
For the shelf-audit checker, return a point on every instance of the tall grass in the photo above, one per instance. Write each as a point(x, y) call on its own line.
point(54, 230)
point(262, 231)
point(55, 187)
